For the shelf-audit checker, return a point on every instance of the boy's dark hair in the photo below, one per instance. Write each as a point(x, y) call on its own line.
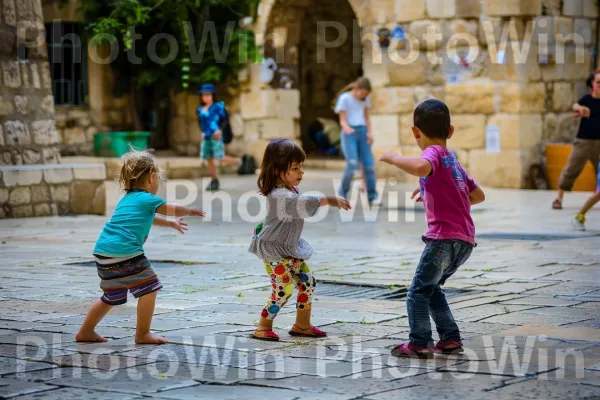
point(279, 156)
point(432, 117)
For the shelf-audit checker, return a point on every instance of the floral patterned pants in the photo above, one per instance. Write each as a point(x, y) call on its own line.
point(284, 275)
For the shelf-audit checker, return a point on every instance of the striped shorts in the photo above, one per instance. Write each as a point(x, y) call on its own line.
point(122, 275)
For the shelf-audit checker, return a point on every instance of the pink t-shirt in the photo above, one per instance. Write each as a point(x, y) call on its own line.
point(445, 193)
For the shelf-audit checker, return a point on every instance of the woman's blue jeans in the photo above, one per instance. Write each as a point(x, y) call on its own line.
point(358, 152)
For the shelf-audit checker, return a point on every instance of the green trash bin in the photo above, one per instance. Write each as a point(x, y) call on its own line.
point(115, 144)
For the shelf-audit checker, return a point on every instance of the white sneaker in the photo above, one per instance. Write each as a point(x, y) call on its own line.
point(578, 222)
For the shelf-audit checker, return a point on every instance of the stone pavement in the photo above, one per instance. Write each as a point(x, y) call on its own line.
point(528, 309)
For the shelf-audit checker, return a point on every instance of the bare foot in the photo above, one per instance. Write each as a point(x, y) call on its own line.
point(89, 337)
point(150, 338)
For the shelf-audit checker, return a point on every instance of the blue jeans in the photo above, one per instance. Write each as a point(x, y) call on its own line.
point(356, 150)
point(440, 260)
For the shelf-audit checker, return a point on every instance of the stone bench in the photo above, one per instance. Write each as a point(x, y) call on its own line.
point(52, 189)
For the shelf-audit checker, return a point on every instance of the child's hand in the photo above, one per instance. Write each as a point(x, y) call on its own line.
point(217, 135)
point(348, 130)
point(387, 157)
point(196, 212)
point(340, 202)
point(370, 138)
point(415, 193)
point(584, 112)
point(179, 225)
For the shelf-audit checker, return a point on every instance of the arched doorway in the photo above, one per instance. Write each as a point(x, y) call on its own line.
point(295, 34)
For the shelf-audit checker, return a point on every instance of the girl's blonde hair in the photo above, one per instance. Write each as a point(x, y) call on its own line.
point(279, 156)
point(136, 165)
point(360, 83)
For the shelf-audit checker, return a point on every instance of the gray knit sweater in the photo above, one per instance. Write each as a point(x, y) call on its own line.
point(280, 235)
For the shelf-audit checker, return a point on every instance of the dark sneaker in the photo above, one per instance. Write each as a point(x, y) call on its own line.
point(449, 346)
point(413, 351)
point(213, 185)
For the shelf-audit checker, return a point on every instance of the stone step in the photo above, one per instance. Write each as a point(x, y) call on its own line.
point(174, 167)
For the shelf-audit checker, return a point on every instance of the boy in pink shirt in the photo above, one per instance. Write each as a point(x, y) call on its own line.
point(448, 193)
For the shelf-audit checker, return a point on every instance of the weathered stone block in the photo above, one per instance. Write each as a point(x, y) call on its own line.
point(259, 104)
point(572, 64)
point(441, 8)
point(1, 136)
point(44, 132)
point(90, 173)
point(288, 103)
point(519, 65)
point(408, 10)
point(270, 129)
point(471, 97)
point(406, 72)
point(590, 8)
point(6, 106)
point(573, 8)
point(519, 98)
point(82, 195)
point(562, 96)
point(428, 33)
point(435, 74)
point(551, 29)
point(407, 138)
point(584, 28)
point(469, 131)
point(375, 70)
point(3, 196)
point(19, 196)
point(10, 13)
point(392, 100)
point(507, 8)
point(48, 106)
point(35, 76)
point(74, 135)
point(45, 75)
point(42, 210)
point(22, 211)
point(58, 175)
point(22, 104)
point(21, 177)
point(17, 133)
point(195, 134)
point(40, 194)
point(25, 77)
point(50, 156)
point(458, 28)
point(11, 74)
point(468, 8)
point(522, 131)
point(90, 132)
point(502, 170)
point(31, 157)
point(552, 7)
point(99, 202)
point(385, 131)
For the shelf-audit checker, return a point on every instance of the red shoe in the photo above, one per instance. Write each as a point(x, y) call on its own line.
point(411, 350)
point(310, 332)
point(267, 335)
point(449, 346)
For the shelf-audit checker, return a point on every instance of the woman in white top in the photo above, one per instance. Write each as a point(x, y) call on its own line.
point(353, 107)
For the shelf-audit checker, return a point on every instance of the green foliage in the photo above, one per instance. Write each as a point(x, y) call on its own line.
point(211, 45)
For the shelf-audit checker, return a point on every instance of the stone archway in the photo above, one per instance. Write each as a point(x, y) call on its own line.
point(289, 31)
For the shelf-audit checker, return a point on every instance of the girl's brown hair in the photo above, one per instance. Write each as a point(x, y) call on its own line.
point(136, 167)
point(279, 157)
point(360, 83)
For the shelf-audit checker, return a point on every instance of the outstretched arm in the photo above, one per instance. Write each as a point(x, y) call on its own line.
point(176, 210)
point(413, 165)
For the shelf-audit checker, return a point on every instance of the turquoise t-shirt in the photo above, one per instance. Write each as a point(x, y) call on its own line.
point(126, 232)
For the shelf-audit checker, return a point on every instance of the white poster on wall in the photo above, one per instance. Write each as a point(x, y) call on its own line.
point(492, 139)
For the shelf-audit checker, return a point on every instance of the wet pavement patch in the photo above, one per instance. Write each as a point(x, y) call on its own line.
point(538, 237)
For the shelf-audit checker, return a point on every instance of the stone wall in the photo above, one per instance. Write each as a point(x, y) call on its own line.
point(528, 100)
point(27, 131)
point(43, 190)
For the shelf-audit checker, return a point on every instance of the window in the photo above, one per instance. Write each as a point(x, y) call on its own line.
point(68, 63)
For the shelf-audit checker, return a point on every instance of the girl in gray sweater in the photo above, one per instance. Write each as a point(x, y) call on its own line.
point(278, 242)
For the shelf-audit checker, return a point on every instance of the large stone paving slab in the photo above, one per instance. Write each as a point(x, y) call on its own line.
point(78, 394)
point(13, 387)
